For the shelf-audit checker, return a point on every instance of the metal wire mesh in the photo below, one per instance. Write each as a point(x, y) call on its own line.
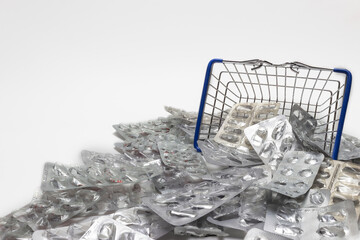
point(319, 91)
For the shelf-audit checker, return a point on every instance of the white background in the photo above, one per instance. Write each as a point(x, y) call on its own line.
point(70, 69)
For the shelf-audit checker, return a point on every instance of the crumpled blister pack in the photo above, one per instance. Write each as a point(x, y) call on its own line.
point(261, 174)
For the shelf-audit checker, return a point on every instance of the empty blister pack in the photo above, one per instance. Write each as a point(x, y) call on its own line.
point(58, 177)
point(258, 234)
point(310, 132)
point(196, 200)
point(249, 212)
point(200, 228)
point(108, 228)
point(11, 228)
point(343, 181)
point(271, 139)
point(296, 173)
point(129, 132)
point(171, 179)
point(181, 114)
point(54, 208)
point(221, 155)
point(73, 231)
point(183, 157)
point(349, 147)
point(143, 220)
point(337, 221)
point(242, 115)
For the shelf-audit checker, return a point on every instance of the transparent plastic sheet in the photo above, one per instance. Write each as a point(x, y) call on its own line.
point(221, 155)
point(196, 200)
point(54, 208)
point(337, 221)
point(271, 139)
point(258, 234)
point(200, 228)
point(107, 228)
point(242, 115)
point(183, 157)
point(296, 173)
point(343, 181)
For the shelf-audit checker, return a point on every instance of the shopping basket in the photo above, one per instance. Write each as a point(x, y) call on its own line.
point(322, 92)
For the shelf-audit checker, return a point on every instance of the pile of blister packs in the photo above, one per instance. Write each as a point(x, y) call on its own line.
point(264, 176)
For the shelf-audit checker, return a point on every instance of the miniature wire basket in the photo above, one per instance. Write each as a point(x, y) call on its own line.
point(322, 92)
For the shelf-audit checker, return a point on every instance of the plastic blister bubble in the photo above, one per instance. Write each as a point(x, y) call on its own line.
point(296, 173)
point(271, 139)
point(196, 200)
point(221, 155)
point(337, 221)
point(242, 115)
point(349, 147)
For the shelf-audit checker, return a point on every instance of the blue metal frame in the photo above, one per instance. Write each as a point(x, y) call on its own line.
point(343, 110)
point(202, 102)
point(342, 114)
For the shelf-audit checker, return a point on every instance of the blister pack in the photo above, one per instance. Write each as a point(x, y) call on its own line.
point(143, 220)
point(242, 115)
point(249, 212)
point(200, 228)
point(349, 147)
point(171, 179)
point(54, 208)
point(108, 228)
point(296, 173)
point(271, 139)
point(343, 181)
point(129, 132)
point(11, 228)
point(308, 130)
point(221, 155)
point(120, 163)
point(258, 234)
point(58, 177)
point(183, 157)
point(73, 231)
point(196, 200)
point(337, 221)
point(181, 114)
